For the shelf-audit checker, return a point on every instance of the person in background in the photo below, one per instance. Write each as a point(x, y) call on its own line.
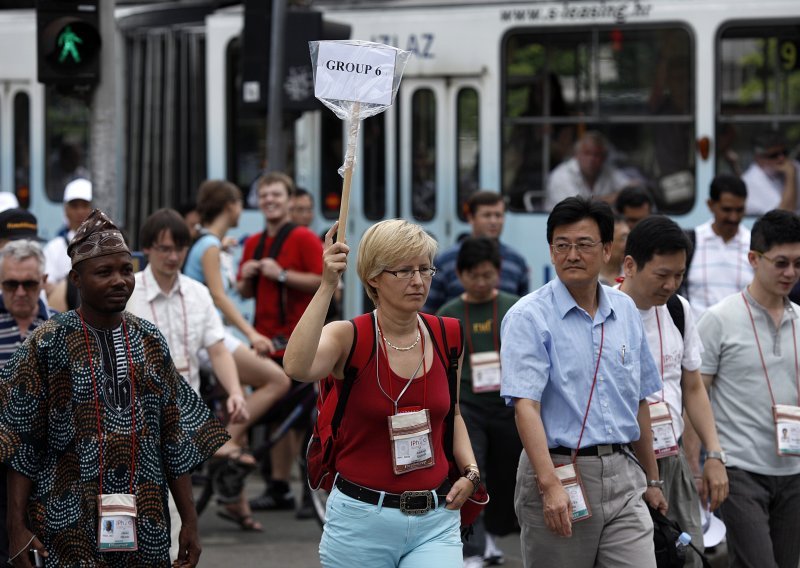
point(22, 280)
point(8, 201)
point(749, 363)
point(578, 370)
point(772, 179)
point(77, 206)
point(655, 262)
point(587, 174)
point(301, 207)
point(154, 429)
point(16, 224)
point(282, 282)
point(219, 204)
point(486, 214)
point(634, 204)
point(718, 266)
point(612, 269)
point(490, 423)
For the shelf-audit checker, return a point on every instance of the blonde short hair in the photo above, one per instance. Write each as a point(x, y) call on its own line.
point(388, 243)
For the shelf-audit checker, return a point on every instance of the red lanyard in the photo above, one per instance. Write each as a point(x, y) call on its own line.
point(591, 392)
point(761, 354)
point(185, 325)
point(661, 350)
point(97, 403)
point(390, 396)
point(495, 337)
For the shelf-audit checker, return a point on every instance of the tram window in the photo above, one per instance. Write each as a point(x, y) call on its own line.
point(332, 157)
point(374, 160)
point(468, 139)
point(423, 164)
point(757, 94)
point(67, 141)
point(633, 85)
point(247, 133)
point(22, 146)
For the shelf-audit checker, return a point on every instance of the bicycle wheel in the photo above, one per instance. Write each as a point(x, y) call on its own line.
point(319, 499)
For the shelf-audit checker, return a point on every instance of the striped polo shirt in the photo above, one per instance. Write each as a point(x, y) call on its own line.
point(10, 336)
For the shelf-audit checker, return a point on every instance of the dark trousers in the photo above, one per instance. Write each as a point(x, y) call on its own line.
point(762, 515)
point(496, 444)
point(3, 510)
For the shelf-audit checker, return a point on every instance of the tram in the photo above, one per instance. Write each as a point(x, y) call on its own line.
point(494, 97)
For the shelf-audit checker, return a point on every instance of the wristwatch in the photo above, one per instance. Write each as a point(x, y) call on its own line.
point(282, 276)
point(720, 455)
point(474, 476)
point(659, 483)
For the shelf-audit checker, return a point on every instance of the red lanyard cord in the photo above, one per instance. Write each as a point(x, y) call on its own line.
point(661, 351)
point(97, 403)
point(495, 335)
point(591, 392)
point(761, 354)
point(185, 326)
point(381, 349)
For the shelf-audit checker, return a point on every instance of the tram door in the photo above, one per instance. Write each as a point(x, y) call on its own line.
point(419, 161)
point(15, 139)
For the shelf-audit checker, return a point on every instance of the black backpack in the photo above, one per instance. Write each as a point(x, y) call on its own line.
point(665, 534)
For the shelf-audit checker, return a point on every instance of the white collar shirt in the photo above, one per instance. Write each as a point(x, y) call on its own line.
point(186, 316)
point(718, 268)
point(764, 192)
point(57, 263)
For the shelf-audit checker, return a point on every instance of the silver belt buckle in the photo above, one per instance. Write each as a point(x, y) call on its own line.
point(406, 495)
point(605, 449)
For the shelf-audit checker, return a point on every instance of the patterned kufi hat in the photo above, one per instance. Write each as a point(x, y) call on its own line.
point(97, 236)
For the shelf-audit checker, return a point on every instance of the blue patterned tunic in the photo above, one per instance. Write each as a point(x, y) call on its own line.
point(48, 432)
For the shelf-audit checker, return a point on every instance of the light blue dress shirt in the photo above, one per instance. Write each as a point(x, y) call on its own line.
point(549, 351)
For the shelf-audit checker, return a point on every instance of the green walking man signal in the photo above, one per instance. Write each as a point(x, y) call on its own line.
point(67, 42)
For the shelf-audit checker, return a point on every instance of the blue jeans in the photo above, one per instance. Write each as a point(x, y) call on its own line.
point(360, 534)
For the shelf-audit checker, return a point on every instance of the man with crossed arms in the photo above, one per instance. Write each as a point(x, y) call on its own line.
point(574, 354)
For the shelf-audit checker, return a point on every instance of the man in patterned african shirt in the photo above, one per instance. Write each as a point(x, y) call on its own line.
point(92, 404)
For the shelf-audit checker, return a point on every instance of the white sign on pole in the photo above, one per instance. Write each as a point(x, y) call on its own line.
point(355, 73)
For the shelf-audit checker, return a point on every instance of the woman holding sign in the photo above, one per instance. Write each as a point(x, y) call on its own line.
point(392, 503)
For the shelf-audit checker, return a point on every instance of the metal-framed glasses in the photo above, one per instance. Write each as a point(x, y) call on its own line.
point(426, 272)
point(781, 263)
point(583, 247)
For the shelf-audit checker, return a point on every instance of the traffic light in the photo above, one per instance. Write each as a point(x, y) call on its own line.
point(68, 34)
point(301, 27)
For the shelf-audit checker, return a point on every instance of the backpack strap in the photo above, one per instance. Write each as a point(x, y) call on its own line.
point(448, 341)
point(274, 250)
point(675, 308)
point(360, 354)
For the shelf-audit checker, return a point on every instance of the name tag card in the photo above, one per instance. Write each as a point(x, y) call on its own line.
point(116, 523)
point(665, 442)
point(787, 429)
point(410, 434)
point(485, 371)
point(568, 476)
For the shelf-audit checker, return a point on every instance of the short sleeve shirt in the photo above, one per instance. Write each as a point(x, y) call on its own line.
point(549, 350)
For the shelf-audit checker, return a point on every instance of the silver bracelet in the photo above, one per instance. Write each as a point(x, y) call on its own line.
point(10, 560)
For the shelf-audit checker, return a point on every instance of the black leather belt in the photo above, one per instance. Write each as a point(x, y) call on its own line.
point(601, 450)
point(409, 502)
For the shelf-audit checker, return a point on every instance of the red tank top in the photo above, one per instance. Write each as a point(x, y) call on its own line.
point(364, 450)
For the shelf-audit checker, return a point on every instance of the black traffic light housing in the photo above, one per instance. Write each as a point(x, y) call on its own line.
point(68, 41)
point(302, 26)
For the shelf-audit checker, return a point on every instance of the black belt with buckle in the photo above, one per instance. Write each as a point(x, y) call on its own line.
point(409, 502)
point(601, 450)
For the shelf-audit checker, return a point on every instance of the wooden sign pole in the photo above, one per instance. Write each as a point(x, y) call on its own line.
point(352, 144)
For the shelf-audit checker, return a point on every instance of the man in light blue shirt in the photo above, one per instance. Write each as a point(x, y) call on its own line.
point(577, 368)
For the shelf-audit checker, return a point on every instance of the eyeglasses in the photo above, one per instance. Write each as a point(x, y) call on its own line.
point(774, 155)
point(13, 285)
point(583, 247)
point(161, 249)
point(781, 263)
point(425, 273)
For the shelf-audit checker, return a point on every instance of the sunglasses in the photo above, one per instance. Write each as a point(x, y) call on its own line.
point(12, 285)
